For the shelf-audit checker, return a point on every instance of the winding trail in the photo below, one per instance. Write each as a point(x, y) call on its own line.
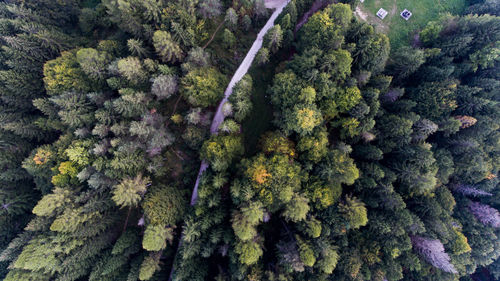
point(278, 5)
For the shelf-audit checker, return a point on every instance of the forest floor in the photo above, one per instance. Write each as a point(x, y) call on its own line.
point(398, 29)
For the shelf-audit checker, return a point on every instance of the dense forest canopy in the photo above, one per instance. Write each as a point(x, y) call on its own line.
point(372, 164)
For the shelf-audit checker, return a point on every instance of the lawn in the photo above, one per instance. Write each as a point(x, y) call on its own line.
point(400, 30)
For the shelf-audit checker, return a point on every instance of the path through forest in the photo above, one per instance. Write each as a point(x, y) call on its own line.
point(278, 5)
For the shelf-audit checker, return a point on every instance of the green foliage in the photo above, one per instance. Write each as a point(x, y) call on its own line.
point(322, 31)
point(166, 48)
point(203, 86)
point(132, 69)
point(354, 211)
point(228, 38)
point(164, 205)
point(249, 252)
point(315, 147)
point(130, 191)
point(306, 252)
point(240, 98)
point(156, 237)
point(313, 228)
point(337, 166)
point(107, 111)
point(328, 261)
point(64, 74)
point(51, 202)
point(220, 151)
point(273, 38)
point(296, 209)
point(148, 267)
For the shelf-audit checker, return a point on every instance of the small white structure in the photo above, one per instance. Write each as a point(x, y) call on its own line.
point(406, 14)
point(381, 13)
point(362, 1)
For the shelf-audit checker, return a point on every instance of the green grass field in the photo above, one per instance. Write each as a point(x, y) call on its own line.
point(400, 30)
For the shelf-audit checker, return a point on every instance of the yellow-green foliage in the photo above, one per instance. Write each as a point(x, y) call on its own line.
point(341, 63)
point(79, 152)
point(49, 203)
point(275, 142)
point(166, 47)
point(38, 255)
point(164, 205)
point(148, 267)
point(203, 86)
point(243, 229)
point(340, 167)
point(328, 261)
point(281, 180)
point(156, 237)
point(324, 195)
point(67, 171)
point(249, 252)
point(313, 228)
point(306, 252)
point(42, 254)
point(296, 210)
point(64, 74)
point(348, 127)
point(72, 219)
point(132, 69)
point(308, 95)
point(130, 191)
point(354, 211)
point(459, 244)
point(305, 119)
point(348, 98)
point(313, 147)
point(221, 150)
point(16, 275)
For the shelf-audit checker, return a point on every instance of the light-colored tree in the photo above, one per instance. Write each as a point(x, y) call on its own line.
point(167, 49)
point(129, 192)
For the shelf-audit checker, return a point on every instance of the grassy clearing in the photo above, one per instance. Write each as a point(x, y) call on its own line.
point(261, 116)
point(400, 30)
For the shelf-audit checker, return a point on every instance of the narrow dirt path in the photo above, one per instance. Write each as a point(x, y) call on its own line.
point(278, 5)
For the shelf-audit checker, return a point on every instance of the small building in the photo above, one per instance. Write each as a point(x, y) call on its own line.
point(381, 13)
point(406, 14)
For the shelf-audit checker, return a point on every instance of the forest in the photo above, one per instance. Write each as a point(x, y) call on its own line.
point(334, 157)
